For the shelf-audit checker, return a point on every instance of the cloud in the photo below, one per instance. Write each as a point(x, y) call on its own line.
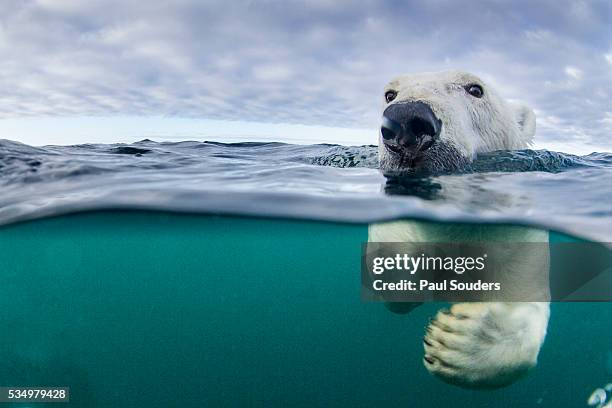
point(573, 72)
point(314, 62)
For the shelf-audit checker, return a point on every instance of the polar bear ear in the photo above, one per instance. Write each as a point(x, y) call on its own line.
point(526, 121)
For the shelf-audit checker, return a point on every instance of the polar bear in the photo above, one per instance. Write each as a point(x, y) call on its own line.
point(438, 122)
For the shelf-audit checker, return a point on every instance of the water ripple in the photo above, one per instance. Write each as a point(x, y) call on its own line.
point(554, 190)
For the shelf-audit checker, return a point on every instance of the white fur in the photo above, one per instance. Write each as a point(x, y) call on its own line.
point(471, 125)
point(487, 344)
point(484, 344)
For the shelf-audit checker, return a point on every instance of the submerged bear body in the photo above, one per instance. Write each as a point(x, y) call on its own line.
point(439, 122)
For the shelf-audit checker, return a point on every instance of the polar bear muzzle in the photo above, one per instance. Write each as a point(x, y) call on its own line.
point(438, 122)
point(409, 128)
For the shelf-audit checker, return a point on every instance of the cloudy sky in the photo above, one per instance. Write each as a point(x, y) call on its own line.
point(74, 70)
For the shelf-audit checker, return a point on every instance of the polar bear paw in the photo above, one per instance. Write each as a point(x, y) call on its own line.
point(485, 345)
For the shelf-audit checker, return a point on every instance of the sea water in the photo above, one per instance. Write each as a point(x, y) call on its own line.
point(201, 274)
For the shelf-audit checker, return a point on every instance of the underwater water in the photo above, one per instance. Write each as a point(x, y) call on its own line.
point(158, 309)
point(202, 274)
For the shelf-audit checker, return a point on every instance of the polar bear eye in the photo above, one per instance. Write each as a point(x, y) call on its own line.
point(390, 95)
point(475, 90)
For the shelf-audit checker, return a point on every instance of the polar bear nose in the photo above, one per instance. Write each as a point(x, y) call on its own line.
point(410, 125)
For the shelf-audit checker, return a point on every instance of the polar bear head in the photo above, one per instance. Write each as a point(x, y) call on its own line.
point(440, 121)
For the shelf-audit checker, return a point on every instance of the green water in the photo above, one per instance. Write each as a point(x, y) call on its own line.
point(136, 309)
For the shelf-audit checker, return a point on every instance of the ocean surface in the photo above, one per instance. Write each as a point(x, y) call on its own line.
point(198, 274)
point(552, 190)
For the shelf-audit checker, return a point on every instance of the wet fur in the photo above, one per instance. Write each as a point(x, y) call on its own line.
point(469, 125)
point(482, 344)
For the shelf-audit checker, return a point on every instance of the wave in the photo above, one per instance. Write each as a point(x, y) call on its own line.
point(551, 190)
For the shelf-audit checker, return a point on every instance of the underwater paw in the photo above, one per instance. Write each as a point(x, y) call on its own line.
point(477, 345)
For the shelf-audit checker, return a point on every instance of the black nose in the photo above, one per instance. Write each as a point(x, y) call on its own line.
point(410, 125)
